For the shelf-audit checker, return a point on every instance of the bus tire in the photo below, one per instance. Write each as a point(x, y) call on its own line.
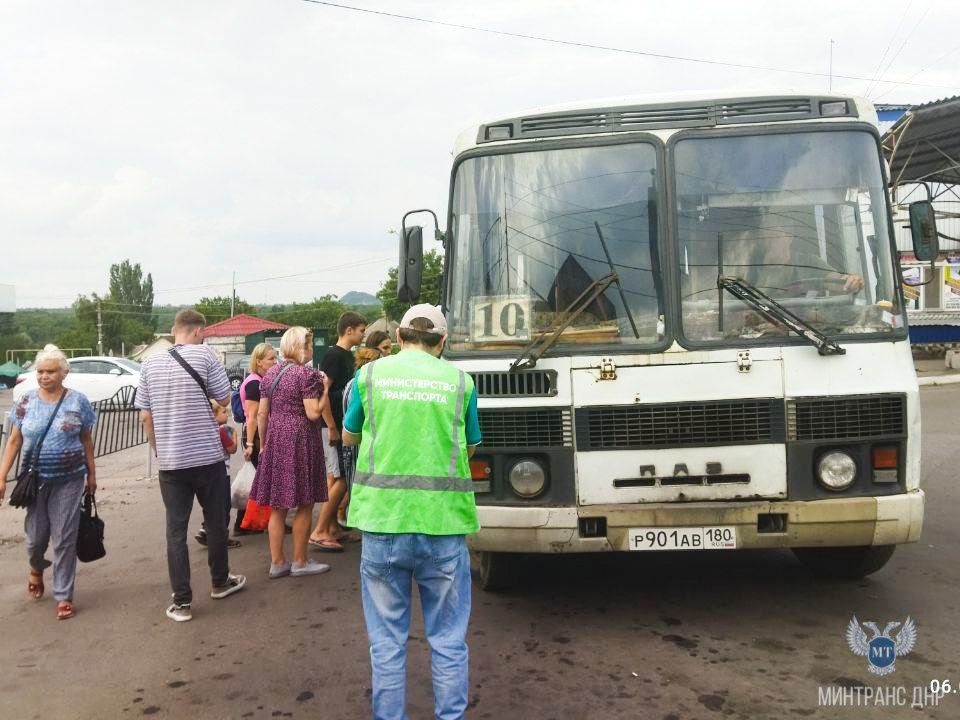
point(497, 571)
point(845, 562)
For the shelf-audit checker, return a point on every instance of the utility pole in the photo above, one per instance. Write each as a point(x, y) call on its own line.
point(233, 292)
point(99, 330)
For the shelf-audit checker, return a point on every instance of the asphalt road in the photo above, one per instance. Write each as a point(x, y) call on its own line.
point(668, 637)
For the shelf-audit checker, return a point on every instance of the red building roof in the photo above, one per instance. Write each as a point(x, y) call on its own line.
point(241, 325)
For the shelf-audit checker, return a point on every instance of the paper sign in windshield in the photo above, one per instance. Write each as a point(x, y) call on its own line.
point(500, 318)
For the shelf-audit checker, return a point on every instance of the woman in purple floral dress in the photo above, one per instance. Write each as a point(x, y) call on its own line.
point(291, 473)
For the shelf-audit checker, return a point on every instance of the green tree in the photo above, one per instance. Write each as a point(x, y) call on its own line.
point(122, 329)
point(13, 341)
point(429, 288)
point(217, 308)
point(130, 293)
point(323, 313)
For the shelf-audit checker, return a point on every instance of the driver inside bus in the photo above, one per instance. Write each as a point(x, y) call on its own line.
point(782, 265)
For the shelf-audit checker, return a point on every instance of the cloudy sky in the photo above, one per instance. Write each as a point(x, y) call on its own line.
point(283, 137)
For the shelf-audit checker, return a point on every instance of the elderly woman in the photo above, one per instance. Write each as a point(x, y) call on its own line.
point(66, 470)
point(291, 473)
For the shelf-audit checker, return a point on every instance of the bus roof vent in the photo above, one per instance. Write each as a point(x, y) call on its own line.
point(764, 110)
point(673, 115)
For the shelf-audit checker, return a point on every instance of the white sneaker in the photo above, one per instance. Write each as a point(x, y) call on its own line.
point(234, 584)
point(180, 613)
point(279, 571)
point(310, 567)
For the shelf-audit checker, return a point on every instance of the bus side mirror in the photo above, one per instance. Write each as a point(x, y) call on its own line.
point(923, 230)
point(410, 270)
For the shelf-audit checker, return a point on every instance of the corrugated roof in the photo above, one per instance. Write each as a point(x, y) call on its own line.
point(241, 325)
point(919, 318)
point(927, 142)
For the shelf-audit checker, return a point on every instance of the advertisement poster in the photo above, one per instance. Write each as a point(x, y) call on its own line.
point(912, 277)
point(951, 285)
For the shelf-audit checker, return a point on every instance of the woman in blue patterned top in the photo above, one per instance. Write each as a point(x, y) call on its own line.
point(66, 471)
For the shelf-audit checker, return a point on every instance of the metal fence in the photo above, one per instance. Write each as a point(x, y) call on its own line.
point(118, 426)
point(118, 423)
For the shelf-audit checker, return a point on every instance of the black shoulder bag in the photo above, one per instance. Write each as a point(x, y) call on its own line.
point(189, 368)
point(28, 481)
point(90, 533)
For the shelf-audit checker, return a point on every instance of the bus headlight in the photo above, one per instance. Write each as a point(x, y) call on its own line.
point(528, 478)
point(837, 470)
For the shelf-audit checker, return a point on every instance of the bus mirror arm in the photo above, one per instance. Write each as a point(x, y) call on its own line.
point(581, 303)
point(772, 310)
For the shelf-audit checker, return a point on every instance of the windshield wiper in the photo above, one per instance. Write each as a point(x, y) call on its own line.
point(772, 310)
point(581, 303)
point(623, 296)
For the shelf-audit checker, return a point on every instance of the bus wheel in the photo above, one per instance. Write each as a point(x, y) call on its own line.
point(845, 562)
point(497, 571)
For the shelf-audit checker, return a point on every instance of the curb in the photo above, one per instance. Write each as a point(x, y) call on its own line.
point(939, 380)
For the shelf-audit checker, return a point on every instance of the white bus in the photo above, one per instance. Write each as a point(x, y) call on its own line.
point(686, 329)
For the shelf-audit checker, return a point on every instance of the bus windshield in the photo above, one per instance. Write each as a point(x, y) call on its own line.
point(534, 231)
point(800, 216)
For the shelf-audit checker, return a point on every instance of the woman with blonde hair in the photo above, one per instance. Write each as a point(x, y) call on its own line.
point(54, 426)
point(291, 472)
point(263, 357)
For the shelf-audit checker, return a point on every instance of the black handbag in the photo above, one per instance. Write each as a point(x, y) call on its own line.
point(27, 486)
point(90, 534)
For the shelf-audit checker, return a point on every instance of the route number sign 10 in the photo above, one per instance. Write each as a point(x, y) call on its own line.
point(501, 318)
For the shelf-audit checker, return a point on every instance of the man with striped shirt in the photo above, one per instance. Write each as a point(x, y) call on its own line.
point(174, 401)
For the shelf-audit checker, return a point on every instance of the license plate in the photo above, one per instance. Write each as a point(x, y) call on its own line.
point(710, 537)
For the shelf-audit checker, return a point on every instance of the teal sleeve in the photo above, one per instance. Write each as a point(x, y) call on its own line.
point(473, 421)
point(353, 418)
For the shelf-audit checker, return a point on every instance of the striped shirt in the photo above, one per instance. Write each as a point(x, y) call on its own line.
point(183, 425)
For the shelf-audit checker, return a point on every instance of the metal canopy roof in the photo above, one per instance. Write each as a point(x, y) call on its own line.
point(924, 145)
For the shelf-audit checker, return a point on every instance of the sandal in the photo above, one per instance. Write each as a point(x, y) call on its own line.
point(35, 588)
point(326, 545)
point(65, 610)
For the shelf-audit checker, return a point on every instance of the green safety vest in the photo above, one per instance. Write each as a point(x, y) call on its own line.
point(413, 471)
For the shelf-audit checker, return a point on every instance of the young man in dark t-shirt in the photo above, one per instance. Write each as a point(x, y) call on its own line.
point(338, 366)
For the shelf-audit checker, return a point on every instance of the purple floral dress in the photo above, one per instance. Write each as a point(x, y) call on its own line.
point(291, 470)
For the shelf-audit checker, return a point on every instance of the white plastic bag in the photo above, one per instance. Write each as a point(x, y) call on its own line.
point(242, 485)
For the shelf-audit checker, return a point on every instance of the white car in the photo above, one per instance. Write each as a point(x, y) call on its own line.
point(99, 378)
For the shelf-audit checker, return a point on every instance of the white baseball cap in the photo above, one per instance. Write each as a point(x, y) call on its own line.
point(431, 313)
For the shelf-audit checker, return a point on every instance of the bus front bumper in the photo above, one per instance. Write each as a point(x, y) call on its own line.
point(887, 520)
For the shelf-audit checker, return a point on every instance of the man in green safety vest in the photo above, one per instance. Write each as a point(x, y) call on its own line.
point(414, 417)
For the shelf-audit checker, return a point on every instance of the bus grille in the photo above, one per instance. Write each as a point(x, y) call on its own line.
point(672, 425)
point(534, 383)
point(846, 418)
point(525, 427)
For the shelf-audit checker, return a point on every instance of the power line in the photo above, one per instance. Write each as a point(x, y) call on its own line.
point(903, 44)
point(609, 48)
point(918, 72)
point(247, 282)
point(896, 31)
point(279, 277)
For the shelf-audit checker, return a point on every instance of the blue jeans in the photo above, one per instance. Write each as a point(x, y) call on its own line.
point(440, 565)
